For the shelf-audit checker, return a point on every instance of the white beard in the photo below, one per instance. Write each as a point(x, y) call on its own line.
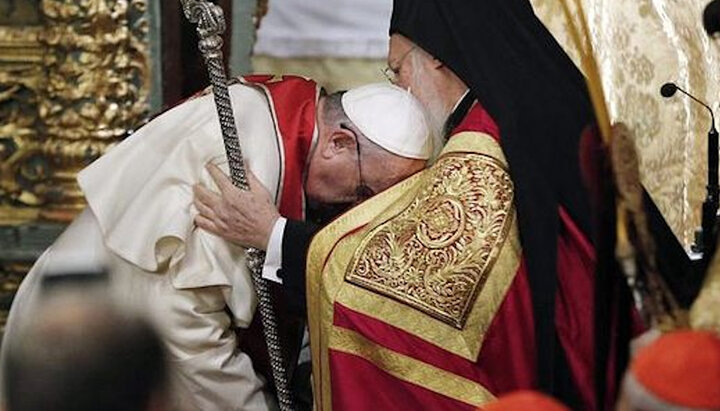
point(437, 114)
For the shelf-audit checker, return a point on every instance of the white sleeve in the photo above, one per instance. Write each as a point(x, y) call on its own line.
point(273, 254)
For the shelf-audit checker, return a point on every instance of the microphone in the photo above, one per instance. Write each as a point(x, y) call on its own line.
point(711, 18)
point(710, 206)
point(669, 89)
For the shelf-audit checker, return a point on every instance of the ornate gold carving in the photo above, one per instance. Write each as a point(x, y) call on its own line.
point(436, 254)
point(69, 90)
point(20, 46)
point(97, 68)
point(22, 166)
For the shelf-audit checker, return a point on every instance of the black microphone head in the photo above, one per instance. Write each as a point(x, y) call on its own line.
point(711, 18)
point(668, 90)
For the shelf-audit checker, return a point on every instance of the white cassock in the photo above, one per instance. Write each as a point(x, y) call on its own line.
point(139, 223)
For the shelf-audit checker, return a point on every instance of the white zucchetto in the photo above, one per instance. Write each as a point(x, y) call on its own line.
point(390, 117)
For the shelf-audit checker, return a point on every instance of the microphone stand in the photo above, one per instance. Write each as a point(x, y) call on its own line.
point(710, 205)
point(708, 240)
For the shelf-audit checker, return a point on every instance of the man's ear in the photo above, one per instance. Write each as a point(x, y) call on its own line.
point(339, 142)
point(437, 64)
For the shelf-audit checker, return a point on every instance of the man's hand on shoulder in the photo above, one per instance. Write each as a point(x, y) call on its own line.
point(242, 217)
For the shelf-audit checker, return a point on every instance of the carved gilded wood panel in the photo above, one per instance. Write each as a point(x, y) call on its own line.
point(74, 80)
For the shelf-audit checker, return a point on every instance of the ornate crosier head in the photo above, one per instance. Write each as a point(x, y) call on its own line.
point(210, 22)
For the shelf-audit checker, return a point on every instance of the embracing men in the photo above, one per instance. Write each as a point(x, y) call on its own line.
point(299, 143)
point(476, 276)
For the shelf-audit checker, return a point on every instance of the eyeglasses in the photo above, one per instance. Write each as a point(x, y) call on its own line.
point(362, 191)
point(391, 73)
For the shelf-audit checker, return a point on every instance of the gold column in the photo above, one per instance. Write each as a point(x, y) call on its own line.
point(97, 84)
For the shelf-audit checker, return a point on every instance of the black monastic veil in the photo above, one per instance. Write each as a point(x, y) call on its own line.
point(539, 99)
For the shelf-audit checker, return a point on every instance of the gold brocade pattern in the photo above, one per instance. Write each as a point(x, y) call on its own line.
point(639, 45)
point(332, 251)
point(435, 256)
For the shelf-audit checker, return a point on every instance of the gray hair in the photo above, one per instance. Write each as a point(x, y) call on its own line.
point(335, 116)
point(425, 90)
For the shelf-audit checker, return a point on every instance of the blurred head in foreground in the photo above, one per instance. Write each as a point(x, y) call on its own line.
point(80, 352)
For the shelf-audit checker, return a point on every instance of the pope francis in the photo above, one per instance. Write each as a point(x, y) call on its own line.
point(297, 141)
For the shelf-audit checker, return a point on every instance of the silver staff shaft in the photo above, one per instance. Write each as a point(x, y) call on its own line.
point(210, 25)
